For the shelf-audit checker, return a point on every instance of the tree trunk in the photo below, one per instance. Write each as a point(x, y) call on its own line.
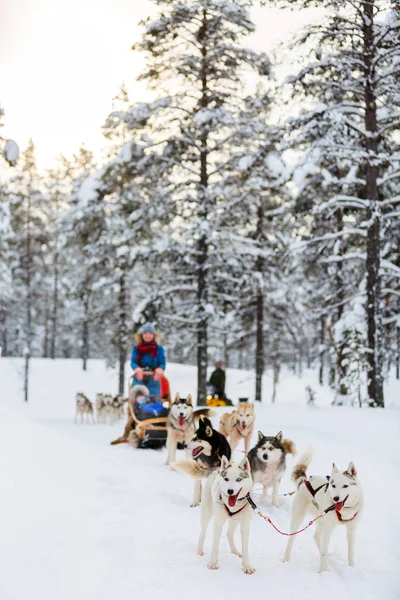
point(85, 332)
point(202, 247)
point(26, 373)
point(259, 346)
point(122, 334)
point(398, 353)
point(3, 329)
point(46, 327)
point(322, 350)
point(276, 370)
point(260, 357)
point(28, 258)
point(374, 312)
point(54, 310)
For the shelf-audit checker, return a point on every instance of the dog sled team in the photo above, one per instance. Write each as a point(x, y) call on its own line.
point(224, 487)
point(108, 408)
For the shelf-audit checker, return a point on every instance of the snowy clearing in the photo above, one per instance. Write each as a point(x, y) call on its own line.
point(83, 520)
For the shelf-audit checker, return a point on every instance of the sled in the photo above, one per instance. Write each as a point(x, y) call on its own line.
point(150, 432)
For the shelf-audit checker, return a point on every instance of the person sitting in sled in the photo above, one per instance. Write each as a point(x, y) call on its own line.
point(147, 355)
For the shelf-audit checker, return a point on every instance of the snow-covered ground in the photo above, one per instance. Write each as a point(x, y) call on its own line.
point(82, 520)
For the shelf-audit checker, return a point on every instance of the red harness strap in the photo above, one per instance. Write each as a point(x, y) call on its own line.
point(339, 516)
point(230, 513)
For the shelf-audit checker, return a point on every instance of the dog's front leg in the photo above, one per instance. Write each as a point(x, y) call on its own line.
point(197, 493)
point(275, 489)
point(231, 537)
point(219, 519)
point(325, 537)
point(171, 448)
point(206, 514)
point(351, 538)
point(245, 534)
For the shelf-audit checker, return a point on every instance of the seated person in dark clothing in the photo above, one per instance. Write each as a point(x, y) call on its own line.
point(217, 379)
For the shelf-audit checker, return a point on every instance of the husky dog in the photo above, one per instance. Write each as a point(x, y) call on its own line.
point(225, 498)
point(181, 424)
point(83, 407)
point(238, 424)
point(118, 408)
point(100, 405)
point(341, 493)
point(207, 447)
point(268, 462)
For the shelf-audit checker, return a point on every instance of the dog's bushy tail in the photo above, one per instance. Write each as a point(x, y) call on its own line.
point(299, 472)
point(203, 412)
point(290, 447)
point(191, 468)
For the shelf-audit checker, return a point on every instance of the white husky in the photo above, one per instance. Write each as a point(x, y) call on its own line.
point(341, 493)
point(224, 496)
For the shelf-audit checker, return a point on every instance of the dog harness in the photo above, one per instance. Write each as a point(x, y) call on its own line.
point(232, 514)
point(313, 492)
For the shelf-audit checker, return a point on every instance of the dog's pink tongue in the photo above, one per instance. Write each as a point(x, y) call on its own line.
point(243, 425)
point(339, 505)
point(232, 499)
point(181, 421)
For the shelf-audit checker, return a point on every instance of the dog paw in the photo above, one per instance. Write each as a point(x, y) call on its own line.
point(194, 504)
point(351, 563)
point(236, 553)
point(200, 552)
point(213, 566)
point(286, 558)
point(248, 570)
point(277, 503)
point(171, 468)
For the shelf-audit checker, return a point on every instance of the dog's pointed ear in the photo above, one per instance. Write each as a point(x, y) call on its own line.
point(245, 464)
point(261, 436)
point(225, 463)
point(351, 470)
point(334, 468)
point(279, 436)
point(209, 431)
point(189, 399)
point(177, 398)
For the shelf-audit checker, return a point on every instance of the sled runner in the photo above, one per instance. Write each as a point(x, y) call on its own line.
point(149, 415)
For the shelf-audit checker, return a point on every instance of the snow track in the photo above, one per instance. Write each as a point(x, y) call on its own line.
point(82, 520)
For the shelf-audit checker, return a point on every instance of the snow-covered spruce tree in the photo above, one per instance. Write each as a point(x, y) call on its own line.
point(352, 77)
point(256, 235)
point(29, 210)
point(133, 191)
point(194, 54)
point(5, 270)
point(82, 227)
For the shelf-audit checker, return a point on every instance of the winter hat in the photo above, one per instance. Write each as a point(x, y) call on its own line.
point(147, 327)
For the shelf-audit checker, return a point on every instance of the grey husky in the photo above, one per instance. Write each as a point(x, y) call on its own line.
point(268, 462)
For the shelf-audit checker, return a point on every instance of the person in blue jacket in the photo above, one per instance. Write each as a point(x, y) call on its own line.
point(148, 355)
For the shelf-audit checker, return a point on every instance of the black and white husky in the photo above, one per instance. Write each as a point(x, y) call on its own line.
point(225, 497)
point(268, 462)
point(341, 493)
point(181, 422)
point(207, 448)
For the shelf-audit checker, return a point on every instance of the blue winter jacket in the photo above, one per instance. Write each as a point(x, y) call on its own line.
point(147, 362)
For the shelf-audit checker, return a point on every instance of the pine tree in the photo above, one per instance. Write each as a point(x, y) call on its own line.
point(193, 50)
point(351, 82)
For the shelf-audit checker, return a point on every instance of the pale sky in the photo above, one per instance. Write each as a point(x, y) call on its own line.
point(62, 62)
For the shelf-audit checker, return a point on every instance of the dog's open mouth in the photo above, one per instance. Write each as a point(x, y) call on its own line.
point(233, 499)
point(340, 505)
point(243, 425)
point(181, 421)
point(197, 451)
